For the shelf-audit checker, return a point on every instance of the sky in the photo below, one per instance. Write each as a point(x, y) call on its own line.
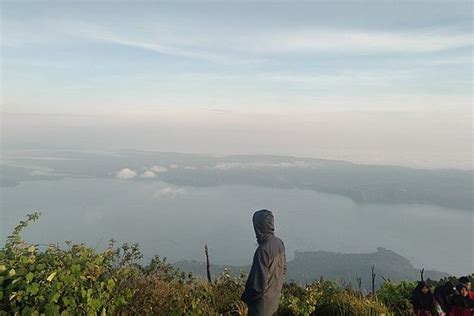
point(386, 82)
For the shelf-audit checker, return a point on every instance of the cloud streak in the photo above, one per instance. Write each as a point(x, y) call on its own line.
point(347, 41)
point(253, 47)
point(264, 164)
point(227, 46)
point(170, 192)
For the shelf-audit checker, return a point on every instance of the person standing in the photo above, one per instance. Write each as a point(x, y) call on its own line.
point(462, 303)
point(265, 281)
point(422, 300)
point(443, 296)
point(465, 280)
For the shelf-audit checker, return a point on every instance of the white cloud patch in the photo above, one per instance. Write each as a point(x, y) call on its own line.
point(126, 173)
point(153, 172)
point(158, 169)
point(170, 192)
point(148, 175)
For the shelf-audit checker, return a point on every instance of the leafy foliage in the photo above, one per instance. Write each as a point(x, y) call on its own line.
point(297, 300)
point(346, 301)
point(164, 290)
point(454, 280)
point(81, 280)
point(397, 297)
point(62, 281)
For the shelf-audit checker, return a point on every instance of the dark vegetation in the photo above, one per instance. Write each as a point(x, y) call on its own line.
point(308, 266)
point(76, 279)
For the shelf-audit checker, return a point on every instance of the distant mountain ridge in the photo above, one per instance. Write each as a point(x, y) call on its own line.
point(361, 183)
point(346, 268)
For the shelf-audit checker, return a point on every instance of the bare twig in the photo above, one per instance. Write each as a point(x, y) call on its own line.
point(373, 279)
point(208, 264)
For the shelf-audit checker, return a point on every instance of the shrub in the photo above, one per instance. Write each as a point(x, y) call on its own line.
point(164, 290)
point(347, 302)
point(57, 281)
point(81, 280)
point(225, 293)
point(297, 300)
point(327, 298)
point(397, 297)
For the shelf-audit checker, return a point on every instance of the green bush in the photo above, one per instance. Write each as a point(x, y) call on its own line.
point(56, 281)
point(164, 290)
point(297, 300)
point(328, 298)
point(81, 280)
point(397, 297)
point(226, 291)
point(347, 302)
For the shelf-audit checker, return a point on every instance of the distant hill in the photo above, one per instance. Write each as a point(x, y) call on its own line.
point(361, 183)
point(345, 268)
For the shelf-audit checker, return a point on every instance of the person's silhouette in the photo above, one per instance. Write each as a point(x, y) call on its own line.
point(266, 277)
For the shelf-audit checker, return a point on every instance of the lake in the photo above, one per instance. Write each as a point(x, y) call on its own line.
point(176, 222)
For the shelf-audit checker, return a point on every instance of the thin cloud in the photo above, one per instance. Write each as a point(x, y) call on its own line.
point(244, 46)
point(353, 41)
point(335, 79)
point(158, 169)
point(148, 175)
point(162, 49)
point(49, 172)
point(187, 49)
point(264, 164)
point(170, 192)
point(224, 48)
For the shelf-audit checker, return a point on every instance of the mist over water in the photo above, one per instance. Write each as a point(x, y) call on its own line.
point(176, 222)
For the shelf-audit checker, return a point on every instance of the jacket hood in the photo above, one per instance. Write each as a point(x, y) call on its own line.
point(263, 225)
point(421, 284)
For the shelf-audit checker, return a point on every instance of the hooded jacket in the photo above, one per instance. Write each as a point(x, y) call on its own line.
point(265, 281)
point(421, 301)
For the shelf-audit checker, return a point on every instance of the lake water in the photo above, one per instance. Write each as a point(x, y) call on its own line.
point(177, 222)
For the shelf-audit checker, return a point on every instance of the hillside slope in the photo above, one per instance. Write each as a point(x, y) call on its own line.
point(346, 268)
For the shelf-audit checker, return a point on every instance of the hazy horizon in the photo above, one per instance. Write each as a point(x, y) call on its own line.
point(272, 134)
point(368, 82)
